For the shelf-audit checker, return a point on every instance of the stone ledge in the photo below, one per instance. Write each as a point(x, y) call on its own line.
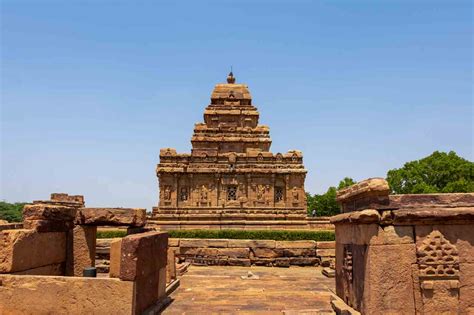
point(111, 216)
point(367, 193)
point(364, 216)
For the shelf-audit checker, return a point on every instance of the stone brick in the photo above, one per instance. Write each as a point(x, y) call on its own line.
point(281, 262)
point(239, 262)
point(27, 249)
point(198, 251)
point(170, 266)
point(203, 242)
point(304, 261)
point(296, 244)
point(48, 212)
point(264, 253)
point(391, 235)
point(466, 291)
point(326, 252)
point(295, 252)
point(173, 242)
point(253, 243)
point(111, 216)
point(268, 262)
point(234, 252)
point(326, 245)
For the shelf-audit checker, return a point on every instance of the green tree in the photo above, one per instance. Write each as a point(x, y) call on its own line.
point(326, 204)
point(440, 172)
point(12, 212)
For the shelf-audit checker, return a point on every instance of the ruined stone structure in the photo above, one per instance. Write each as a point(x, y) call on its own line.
point(403, 254)
point(42, 261)
point(230, 179)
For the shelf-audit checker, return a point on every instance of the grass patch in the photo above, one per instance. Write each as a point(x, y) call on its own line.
point(277, 235)
point(111, 233)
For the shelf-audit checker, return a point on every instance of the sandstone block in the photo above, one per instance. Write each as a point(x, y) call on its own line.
point(326, 245)
point(82, 253)
point(253, 243)
point(296, 244)
point(198, 251)
point(268, 262)
point(143, 254)
point(281, 262)
point(170, 266)
point(115, 258)
point(234, 252)
point(184, 242)
point(49, 270)
point(111, 216)
point(239, 262)
point(173, 242)
point(466, 291)
point(304, 261)
point(48, 212)
point(390, 235)
point(296, 252)
point(326, 252)
point(264, 253)
point(26, 249)
point(42, 226)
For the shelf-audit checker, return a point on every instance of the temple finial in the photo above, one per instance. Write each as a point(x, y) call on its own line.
point(230, 77)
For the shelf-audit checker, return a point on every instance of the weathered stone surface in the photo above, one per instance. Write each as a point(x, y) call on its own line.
point(432, 200)
point(281, 262)
point(326, 252)
point(143, 260)
point(62, 197)
point(111, 216)
point(48, 212)
point(252, 243)
point(295, 252)
point(264, 252)
point(341, 308)
point(387, 283)
point(359, 234)
point(48, 225)
point(170, 266)
point(27, 249)
point(326, 245)
point(464, 215)
point(234, 252)
point(390, 235)
point(296, 244)
point(363, 217)
point(328, 272)
point(239, 262)
point(49, 270)
point(198, 251)
point(203, 242)
point(466, 290)
point(262, 261)
point(2, 222)
point(143, 254)
point(82, 251)
point(370, 193)
point(304, 261)
point(115, 258)
point(65, 295)
point(173, 242)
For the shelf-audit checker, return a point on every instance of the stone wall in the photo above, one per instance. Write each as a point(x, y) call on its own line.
point(407, 254)
point(253, 252)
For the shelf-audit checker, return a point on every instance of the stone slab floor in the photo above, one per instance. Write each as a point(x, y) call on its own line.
point(221, 290)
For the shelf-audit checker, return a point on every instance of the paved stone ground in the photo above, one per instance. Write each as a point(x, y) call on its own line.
point(211, 290)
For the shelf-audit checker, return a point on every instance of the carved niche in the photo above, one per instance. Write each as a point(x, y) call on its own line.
point(347, 273)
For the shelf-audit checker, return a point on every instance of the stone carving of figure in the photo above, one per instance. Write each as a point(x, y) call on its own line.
point(295, 194)
point(260, 192)
point(167, 193)
point(204, 192)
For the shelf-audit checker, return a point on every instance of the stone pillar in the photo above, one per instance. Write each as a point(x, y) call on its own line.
point(81, 249)
point(287, 190)
point(175, 188)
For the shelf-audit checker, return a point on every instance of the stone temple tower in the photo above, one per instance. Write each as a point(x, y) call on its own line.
point(230, 179)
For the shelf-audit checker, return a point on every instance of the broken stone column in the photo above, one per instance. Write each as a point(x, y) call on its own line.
point(404, 254)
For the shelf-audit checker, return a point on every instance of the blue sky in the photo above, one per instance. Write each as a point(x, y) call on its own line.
point(91, 90)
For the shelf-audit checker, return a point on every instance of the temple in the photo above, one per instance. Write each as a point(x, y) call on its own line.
point(230, 179)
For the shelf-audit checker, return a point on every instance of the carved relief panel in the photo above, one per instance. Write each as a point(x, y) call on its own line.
point(438, 265)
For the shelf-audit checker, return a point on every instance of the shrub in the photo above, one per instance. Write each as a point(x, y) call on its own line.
point(111, 233)
point(278, 235)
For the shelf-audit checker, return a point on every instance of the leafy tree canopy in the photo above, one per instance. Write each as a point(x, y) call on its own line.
point(438, 173)
point(12, 212)
point(325, 204)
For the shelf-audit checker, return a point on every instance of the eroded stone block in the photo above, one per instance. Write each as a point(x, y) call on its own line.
point(26, 249)
point(111, 216)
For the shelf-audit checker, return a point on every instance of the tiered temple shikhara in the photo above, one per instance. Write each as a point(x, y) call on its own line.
point(230, 179)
